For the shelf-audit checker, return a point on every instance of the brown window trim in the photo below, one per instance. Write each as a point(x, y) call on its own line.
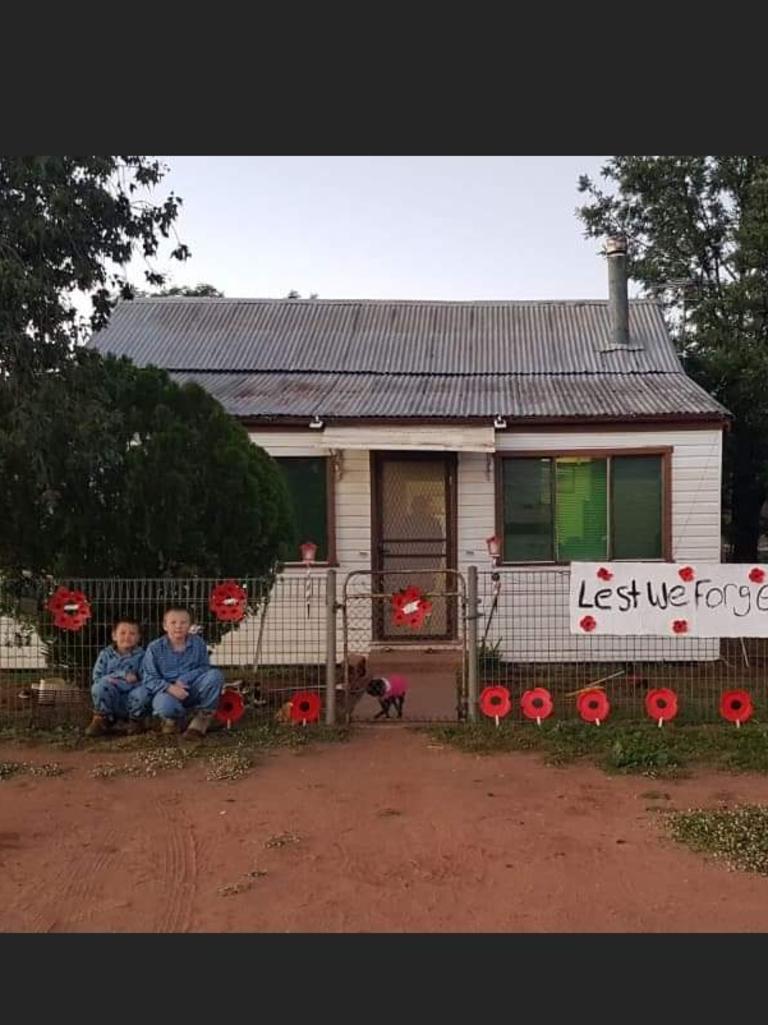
point(330, 496)
point(665, 451)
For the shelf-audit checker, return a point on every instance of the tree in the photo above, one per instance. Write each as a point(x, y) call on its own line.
point(108, 470)
point(205, 290)
point(698, 240)
point(67, 225)
point(122, 473)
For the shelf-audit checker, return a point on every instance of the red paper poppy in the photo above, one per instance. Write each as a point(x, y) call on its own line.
point(680, 626)
point(410, 607)
point(495, 702)
point(736, 706)
point(71, 609)
point(593, 706)
point(686, 573)
point(661, 704)
point(604, 574)
point(305, 707)
point(588, 623)
point(228, 601)
point(231, 707)
point(756, 575)
point(537, 703)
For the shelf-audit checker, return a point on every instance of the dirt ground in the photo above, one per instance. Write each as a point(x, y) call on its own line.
point(387, 833)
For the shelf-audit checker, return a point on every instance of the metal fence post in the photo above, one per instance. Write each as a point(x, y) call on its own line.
point(330, 647)
point(472, 617)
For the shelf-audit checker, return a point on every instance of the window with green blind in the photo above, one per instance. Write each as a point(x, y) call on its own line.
point(307, 480)
point(579, 508)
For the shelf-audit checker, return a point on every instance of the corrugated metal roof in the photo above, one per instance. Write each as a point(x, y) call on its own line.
point(385, 337)
point(375, 358)
point(403, 395)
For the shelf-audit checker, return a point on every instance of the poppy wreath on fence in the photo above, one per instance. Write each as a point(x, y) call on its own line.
point(537, 704)
point(231, 707)
point(593, 706)
point(305, 707)
point(410, 607)
point(661, 704)
point(71, 610)
point(495, 702)
point(228, 601)
point(736, 706)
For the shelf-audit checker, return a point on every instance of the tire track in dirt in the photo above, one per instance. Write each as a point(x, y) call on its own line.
point(177, 868)
point(72, 885)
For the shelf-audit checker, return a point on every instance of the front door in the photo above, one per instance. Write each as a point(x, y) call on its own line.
point(414, 538)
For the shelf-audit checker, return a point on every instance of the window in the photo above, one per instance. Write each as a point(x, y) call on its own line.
point(582, 508)
point(307, 478)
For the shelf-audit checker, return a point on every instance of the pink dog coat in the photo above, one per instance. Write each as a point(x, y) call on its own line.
point(396, 686)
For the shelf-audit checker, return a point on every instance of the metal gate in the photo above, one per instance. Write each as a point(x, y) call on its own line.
point(436, 671)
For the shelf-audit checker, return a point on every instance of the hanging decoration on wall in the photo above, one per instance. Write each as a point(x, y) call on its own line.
point(537, 704)
point(305, 707)
point(231, 707)
point(228, 601)
point(71, 610)
point(661, 705)
point(410, 607)
point(495, 702)
point(593, 706)
point(736, 706)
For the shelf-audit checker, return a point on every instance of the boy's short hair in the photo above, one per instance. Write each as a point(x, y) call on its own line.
point(126, 619)
point(177, 608)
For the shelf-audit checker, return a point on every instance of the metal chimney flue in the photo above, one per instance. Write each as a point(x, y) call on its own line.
point(618, 298)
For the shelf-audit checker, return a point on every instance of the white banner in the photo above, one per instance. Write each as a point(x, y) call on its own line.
point(669, 599)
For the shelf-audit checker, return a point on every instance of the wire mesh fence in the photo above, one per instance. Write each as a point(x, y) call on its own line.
point(276, 650)
point(295, 637)
point(524, 642)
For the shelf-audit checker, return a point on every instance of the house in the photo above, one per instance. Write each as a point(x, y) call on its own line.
point(411, 433)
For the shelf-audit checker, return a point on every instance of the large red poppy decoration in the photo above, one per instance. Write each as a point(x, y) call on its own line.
point(305, 707)
point(410, 607)
point(228, 601)
point(495, 702)
point(757, 575)
point(71, 609)
point(537, 704)
point(736, 706)
point(661, 704)
point(231, 707)
point(593, 706)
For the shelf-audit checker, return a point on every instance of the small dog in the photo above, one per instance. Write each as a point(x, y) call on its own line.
point(391, 692)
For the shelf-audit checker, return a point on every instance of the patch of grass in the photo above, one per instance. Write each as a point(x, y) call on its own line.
point(145, 763)
point(621, 747)
point(251, 732)
point(738, 836)
point(10, 769)
point(228, 765)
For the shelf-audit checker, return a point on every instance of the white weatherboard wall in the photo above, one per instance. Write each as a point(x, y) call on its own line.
point(532, 620)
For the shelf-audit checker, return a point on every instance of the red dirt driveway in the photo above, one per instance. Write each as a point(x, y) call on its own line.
point(387, 833)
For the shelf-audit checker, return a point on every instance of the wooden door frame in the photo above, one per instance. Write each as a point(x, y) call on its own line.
point(377, 458)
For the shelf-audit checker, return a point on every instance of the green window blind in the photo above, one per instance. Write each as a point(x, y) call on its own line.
point(581, 526)
point(527, 498)
point(636, 493)
point(307, 482)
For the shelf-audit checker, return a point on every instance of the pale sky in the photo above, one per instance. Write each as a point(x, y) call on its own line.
point(385, 227)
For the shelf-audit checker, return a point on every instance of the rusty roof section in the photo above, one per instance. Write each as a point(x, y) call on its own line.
point(376, 358)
